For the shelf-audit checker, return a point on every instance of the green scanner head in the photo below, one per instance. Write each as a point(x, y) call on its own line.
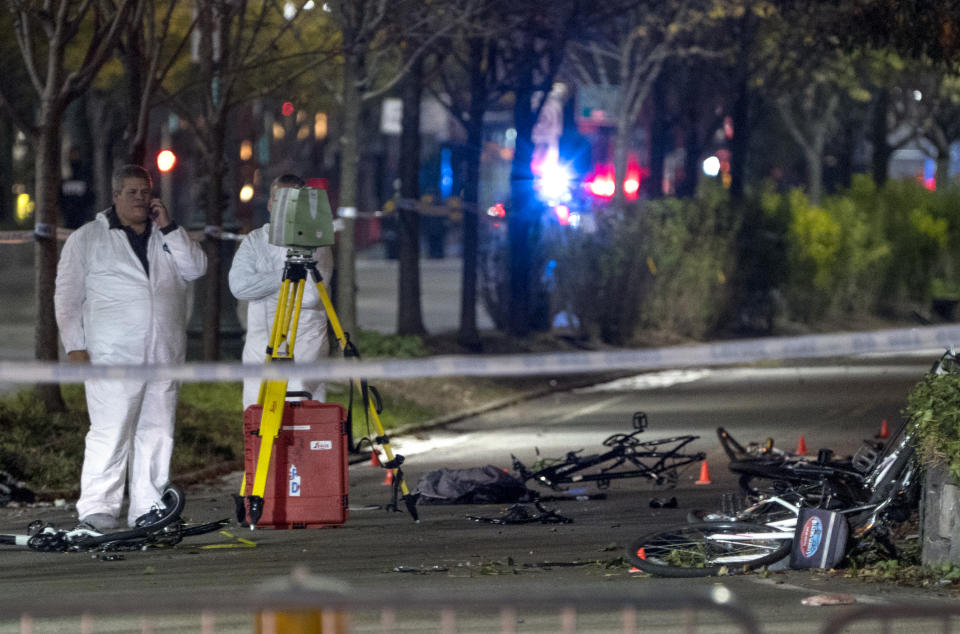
point(301, 217)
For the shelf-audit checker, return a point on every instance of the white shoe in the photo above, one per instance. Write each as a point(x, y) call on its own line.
point(101, 522)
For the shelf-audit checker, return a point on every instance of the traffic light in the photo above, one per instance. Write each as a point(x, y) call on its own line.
point(166, 160)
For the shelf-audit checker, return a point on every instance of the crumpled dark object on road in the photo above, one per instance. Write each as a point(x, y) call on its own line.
point(475, 485)
point(520, 514)
point(660, 503)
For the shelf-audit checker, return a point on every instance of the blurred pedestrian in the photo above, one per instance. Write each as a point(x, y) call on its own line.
point(76, 193)
point(121, 298)
point(255, 276)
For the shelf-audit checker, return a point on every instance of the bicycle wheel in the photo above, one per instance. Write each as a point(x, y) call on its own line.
point(773, 512)
point(702, 550)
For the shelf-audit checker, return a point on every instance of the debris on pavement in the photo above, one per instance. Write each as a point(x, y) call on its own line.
point(833, 598)
point(520, 514)
point(660, 503)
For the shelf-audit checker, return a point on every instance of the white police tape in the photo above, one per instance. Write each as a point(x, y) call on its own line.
point(40, 231)
point(712, 354)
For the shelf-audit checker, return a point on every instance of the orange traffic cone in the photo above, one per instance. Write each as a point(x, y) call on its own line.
point(374, 458)
point(704, 474)
point(388, 479)
point(884, 430)
point(802, 447)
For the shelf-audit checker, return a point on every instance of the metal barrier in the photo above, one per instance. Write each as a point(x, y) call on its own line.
point(884, 618)
point(330, 611)
point(303, 610)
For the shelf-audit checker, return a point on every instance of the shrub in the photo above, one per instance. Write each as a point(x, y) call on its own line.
point(933, 406)
point(836, 254)
point(656, 265)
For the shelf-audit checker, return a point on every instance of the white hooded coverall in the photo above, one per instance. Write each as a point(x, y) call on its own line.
point(107, 305)
point(255, 276)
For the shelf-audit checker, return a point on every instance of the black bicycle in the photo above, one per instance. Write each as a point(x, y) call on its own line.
point(628, 457)
point(761, 534)
point(764, 470)
point(161, 526)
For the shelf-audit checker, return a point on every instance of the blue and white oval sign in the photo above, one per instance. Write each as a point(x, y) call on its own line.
point(810, 536)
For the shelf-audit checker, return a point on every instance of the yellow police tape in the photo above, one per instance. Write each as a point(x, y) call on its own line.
point(241, 542)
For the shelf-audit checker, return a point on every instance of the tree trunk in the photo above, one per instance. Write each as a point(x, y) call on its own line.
point(468, 335)
point(212, 245)
point(848, 147)
point(814, 161)
point(692, 145)
point(346, 254)
point(99, 120)
point(691, 162)
point(740, 143)
point(135, 133)
point(7, 135)
point(620, 156)
point(878, 135)
point(47, 167)
point(943, 167)
point(659, 138)
point(409, 316)
point(521, 219)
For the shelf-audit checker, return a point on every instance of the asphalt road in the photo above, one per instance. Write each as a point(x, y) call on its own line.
point(384, 555)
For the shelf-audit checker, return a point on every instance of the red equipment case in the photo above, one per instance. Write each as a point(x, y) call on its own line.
point(307, 480)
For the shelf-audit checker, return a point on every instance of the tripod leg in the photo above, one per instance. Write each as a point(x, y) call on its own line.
point(410, 500)
point(274, 393)
point(273, 343)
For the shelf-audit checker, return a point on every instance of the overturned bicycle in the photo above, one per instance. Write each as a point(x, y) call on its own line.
point(162, 526)
point(817, 512)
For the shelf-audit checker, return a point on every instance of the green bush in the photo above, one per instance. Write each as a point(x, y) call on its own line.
point(837, 253)
point(659, 265)
point(934, 408)
point(691, 254)
point(914, 223)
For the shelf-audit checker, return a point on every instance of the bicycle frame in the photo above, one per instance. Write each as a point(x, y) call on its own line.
point(645, 459)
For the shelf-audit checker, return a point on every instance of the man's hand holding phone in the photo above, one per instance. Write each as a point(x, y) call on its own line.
point(159, 214)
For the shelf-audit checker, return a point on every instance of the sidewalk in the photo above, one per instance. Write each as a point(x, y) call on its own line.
point(440, 283)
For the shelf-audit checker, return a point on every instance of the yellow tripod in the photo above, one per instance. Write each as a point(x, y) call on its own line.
point(273, 393)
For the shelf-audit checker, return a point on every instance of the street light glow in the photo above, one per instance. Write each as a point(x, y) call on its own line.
point(166, 160)
point(711, 166)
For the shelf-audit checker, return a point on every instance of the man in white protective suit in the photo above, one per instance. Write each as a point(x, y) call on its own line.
point(121, 298)
point(255, 276)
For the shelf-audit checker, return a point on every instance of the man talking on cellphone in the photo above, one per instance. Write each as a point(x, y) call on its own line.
point(121, 298)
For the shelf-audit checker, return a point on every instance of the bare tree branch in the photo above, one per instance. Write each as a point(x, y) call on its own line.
point(22, 31)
